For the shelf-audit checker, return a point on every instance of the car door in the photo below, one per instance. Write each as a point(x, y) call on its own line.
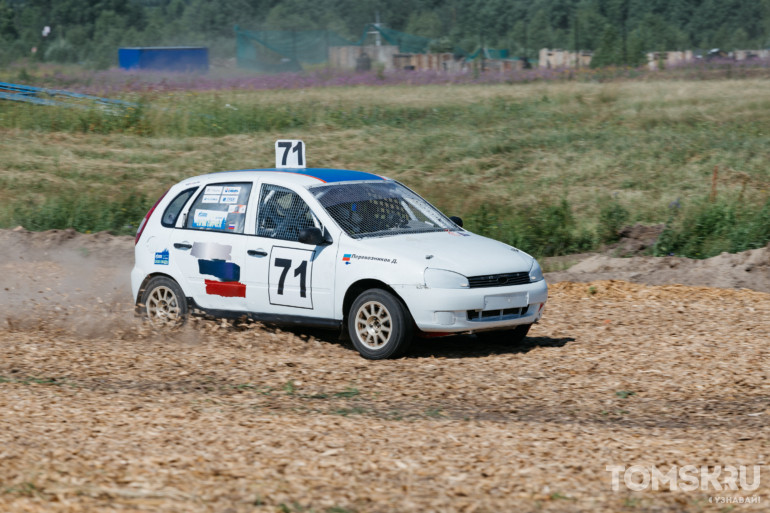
point(285, 276)
point(207, 246)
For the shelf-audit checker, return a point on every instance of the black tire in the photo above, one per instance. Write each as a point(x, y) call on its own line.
point(510, 336)
point(163, 303)
point(379, 325)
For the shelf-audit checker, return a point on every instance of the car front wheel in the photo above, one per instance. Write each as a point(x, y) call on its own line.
point(379, 325)
point(164, 303)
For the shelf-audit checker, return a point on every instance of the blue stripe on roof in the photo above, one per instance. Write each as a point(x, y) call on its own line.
point(335, 175)
point(328, 175)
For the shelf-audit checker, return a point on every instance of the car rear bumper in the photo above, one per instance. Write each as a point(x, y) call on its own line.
point(480, 309)
point(137, 276)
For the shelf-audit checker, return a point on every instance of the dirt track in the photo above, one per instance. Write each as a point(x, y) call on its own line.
point(99, 414)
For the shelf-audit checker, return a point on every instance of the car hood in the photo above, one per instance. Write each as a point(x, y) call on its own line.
point(462, 252)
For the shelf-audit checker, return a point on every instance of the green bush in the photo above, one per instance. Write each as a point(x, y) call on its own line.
point(61, 51)
point(612, 218)
point(544, 229)
point(86, 213)
point(707, 228)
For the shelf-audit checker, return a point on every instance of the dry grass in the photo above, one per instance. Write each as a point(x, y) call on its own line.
point(99, 414)
point(522, 152)
point(646, 143)
point(256, 420)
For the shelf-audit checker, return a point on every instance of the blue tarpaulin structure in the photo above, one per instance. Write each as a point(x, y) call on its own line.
point(43, 96)
point(165, 58)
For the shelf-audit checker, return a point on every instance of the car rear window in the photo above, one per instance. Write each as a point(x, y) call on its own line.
point(220, 207)
point(174, 208)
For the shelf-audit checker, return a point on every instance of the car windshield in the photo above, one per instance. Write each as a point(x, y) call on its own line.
point(378, 209)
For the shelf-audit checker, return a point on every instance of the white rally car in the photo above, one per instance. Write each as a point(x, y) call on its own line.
point(325, 248)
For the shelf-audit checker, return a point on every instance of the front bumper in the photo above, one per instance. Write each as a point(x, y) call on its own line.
point(478, 309)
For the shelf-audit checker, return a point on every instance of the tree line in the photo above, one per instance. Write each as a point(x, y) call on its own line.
point(618, 31)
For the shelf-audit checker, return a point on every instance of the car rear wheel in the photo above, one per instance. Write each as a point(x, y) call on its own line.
point(379, 325)
point(511, 336)
point(163, 302)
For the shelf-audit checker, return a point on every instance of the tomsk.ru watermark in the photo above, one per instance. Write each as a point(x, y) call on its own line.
point(688, 478)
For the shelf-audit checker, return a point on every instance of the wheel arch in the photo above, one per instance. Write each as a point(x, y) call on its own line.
point(356, 288)
point(143, 287)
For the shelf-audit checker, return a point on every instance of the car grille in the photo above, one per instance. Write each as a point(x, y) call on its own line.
point(498, 280)
point(496, 315)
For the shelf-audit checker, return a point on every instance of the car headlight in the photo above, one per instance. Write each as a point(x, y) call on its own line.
point(443, 279)
point(535, 272)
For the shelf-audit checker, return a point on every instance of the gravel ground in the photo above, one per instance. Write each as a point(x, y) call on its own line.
point(100, 414)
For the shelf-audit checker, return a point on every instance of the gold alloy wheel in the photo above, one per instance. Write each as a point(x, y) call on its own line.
point(373, 325)
point(163, 306)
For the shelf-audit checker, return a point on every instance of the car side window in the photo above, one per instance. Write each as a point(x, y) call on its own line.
point(220, 207)
point(171, 215)
point(282, 214)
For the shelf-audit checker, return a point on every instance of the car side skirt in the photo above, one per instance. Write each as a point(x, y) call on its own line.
point(286, 320)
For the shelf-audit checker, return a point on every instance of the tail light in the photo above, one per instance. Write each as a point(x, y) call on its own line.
point(143, 224)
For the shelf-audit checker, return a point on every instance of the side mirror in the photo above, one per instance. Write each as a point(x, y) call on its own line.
point(314, 236)
point(456, 220)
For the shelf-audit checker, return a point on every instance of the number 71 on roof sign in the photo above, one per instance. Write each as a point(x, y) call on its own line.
point(289, 153)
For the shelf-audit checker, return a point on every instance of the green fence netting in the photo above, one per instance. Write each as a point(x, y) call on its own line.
point(284, 50)
point(489, 53)
point(288, 50)
point(407, 43)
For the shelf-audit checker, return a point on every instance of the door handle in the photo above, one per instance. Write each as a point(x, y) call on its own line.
point(182, 245)
point(257, 252)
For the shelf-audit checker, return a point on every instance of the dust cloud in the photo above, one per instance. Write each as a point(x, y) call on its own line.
point(62, 280)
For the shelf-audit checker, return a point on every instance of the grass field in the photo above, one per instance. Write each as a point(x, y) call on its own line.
point(554, 168)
